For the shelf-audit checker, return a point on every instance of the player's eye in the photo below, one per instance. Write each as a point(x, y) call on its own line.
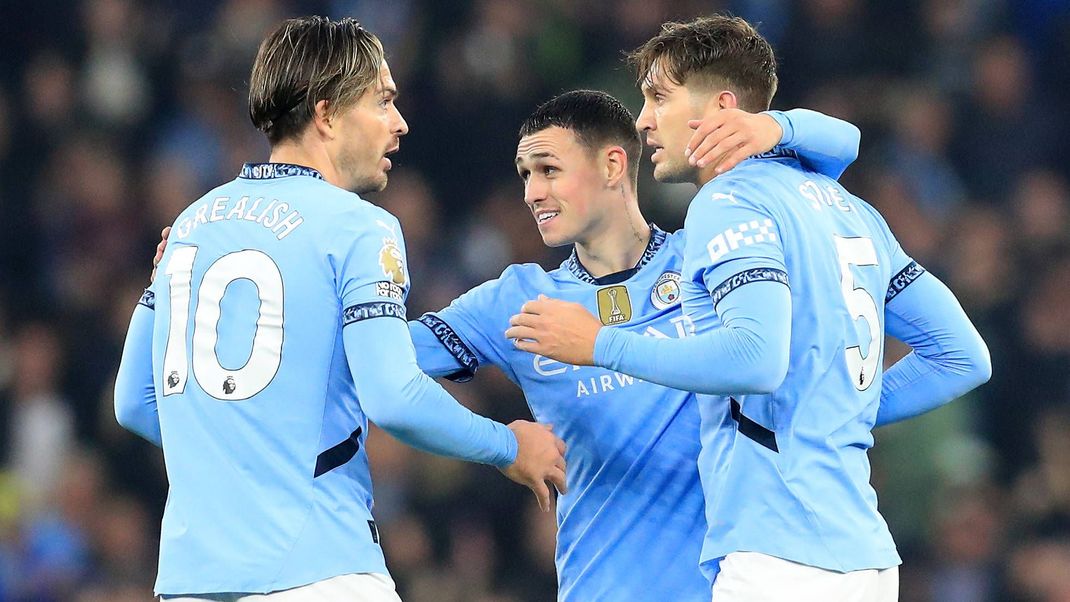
point(549, 170)
point(524, 175)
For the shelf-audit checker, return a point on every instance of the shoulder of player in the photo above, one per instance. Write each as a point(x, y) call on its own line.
point(675, 239)
point(504, 293)
point(740, 186)
point(352, 213)
point(524, 275)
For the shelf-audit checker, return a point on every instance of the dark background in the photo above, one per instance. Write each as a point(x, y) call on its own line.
point(116, 114)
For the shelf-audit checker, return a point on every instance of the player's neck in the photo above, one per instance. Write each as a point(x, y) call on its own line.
point(618, 248)
point(301, 154)
point(704, 175)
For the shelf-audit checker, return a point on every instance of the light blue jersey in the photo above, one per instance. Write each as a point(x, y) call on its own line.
point(278, 331)
point(630, 526)
point(787, 473)
point(792, 283)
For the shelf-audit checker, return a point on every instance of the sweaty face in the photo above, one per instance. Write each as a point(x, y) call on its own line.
point(368, 131)
point(561, 185)
point(667, 107)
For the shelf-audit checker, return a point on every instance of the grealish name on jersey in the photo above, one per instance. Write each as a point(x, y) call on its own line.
point(275, 215)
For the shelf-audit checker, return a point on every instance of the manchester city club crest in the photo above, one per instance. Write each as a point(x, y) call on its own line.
point(666, 291)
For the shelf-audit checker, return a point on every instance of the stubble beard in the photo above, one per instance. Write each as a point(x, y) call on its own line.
point(675, 173)
point(363, 181)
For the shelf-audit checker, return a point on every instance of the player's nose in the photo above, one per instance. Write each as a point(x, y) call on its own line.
point(534, 191)
point(645, 121)
point(401, 127)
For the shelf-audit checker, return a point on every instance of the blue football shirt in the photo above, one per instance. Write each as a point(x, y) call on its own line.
point(247, 404)
point(632, 520)
point(787, 473)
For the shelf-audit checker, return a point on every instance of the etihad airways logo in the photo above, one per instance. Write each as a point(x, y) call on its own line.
point(602, 380)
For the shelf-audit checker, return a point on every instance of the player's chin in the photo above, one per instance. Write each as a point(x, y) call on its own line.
point(671, 173)
point(555, 239)
point(378, 183)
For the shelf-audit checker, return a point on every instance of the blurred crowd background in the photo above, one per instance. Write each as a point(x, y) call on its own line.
point(116, 114)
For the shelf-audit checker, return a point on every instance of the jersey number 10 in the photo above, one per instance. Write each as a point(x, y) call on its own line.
point(266, 355)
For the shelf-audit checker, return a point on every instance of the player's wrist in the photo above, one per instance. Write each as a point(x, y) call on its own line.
point(510, 449)
point(787, 131)
point(603, 346)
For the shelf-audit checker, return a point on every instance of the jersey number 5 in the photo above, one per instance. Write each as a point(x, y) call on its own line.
point(860, 303)
point(266, 354)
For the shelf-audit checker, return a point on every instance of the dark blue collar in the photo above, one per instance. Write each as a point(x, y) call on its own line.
point(270, 171)
point(777, 152)
point(657, 239)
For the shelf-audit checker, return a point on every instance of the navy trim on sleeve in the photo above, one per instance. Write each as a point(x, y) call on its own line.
point(453, 343)
point(338, 455)
point(372, 309)
point(903, 279)
point(746, 277)
point(148, 299)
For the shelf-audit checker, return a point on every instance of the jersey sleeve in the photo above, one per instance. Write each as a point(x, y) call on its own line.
point(135, 393)
point(948, 356)
point(824, 144)
point(435, 358)
point(750, 348)
point(393, 392)
point(732, 239)
point(371, 268)
point(733, 246)
point(412, 407)
point(471, 328)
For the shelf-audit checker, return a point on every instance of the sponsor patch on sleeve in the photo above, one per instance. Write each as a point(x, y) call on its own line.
point(903, 279)
point(389, 290)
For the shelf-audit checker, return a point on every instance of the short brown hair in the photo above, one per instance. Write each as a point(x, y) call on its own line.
point(595, 118)
point(304, 61)
point(719, 50)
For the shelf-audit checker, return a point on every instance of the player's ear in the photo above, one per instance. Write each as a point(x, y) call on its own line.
point(726, 99)
point(615, 166)
point(321, 120)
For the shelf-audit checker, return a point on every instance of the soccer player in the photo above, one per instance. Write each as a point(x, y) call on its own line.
point(792, 283)
point(633, 521)
point(275, 330)
point(631, 527)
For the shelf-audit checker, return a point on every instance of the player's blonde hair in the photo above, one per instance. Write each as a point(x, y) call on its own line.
point(304, 61)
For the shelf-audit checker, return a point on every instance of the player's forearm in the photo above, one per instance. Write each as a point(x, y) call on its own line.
point(825, 144)
point(949, 358)
point(135, 394)
point(748, 354)
point(405, 402)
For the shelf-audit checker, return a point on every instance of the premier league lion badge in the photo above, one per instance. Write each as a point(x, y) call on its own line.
point(666, 291)
point(392, 262)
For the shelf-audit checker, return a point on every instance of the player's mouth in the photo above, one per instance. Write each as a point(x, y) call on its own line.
point(545, 216)
point(658, 149)
point(386, 155)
